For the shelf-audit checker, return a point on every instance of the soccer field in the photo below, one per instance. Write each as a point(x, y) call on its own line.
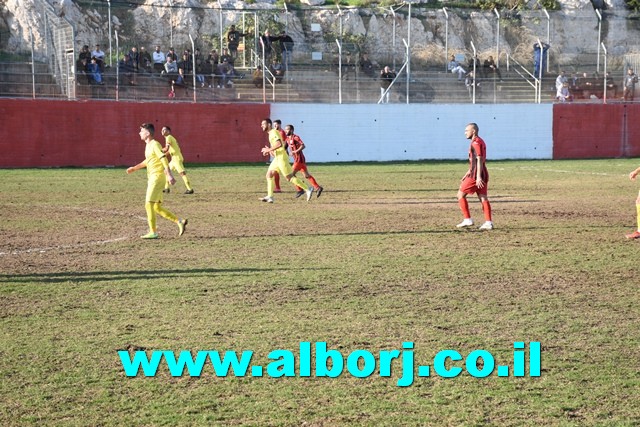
point(374, 263)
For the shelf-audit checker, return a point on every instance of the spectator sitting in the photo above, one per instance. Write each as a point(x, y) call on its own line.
point(226, 56)
point(99, 55)
point(490, 67)
point(224, 73)
point(563, 94)
point(257, 77)
point(366, 66)
point(145, 60)
point(171, 69)
point(134, 57)
point(94, 71)
point(172, 53)
point(159, 59)
point(185, 70)
point(126, 67)
point(455, 67)
point(470, 82)
point(201, 67)
point(277, 70)
point(85, 53)
point(82, 70)
point(478, 68)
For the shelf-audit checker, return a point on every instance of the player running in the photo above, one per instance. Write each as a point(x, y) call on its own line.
point(299, 163)
point(280, 162)
point(158, 172)
point(476, 180)
point(177, 161)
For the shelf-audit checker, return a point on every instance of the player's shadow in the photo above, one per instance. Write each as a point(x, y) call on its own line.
point(108, 276)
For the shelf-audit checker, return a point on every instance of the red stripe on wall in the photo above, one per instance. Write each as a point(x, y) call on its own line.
point(44, 133)
point(582, 131)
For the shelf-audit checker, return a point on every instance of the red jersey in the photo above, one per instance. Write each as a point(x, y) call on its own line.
point(294, 142)
point(478, 149)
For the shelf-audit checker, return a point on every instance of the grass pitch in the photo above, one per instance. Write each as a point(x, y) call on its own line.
point(374, 262)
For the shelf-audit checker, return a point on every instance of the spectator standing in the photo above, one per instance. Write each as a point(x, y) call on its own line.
point(539, 59)
point(476, 180)
point(267, 42)
point(386, 77)
point(159, 59)
point(233, 41)
point(286, 49)
point(561, 80)
point(629, 85)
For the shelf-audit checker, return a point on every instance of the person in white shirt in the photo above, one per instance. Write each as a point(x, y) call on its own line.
point(99, 55)
point(158, 60)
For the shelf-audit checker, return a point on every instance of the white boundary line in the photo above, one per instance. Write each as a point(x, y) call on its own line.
point(79, 245)
point(63, 247)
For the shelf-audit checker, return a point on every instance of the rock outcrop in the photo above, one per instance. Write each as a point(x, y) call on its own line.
point(573, 30)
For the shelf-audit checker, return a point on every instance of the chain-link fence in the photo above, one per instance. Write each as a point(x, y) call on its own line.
point(335, 49)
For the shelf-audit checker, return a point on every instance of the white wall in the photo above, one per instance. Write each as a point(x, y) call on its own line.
point(372, 132)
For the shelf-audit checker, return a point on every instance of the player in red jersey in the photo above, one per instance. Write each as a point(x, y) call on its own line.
point(296, 146)
point(476, 180)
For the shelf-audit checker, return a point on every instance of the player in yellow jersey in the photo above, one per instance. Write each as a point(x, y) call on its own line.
point(280, 162)
point(158, 173)
point(177, 161)
point(635, 234)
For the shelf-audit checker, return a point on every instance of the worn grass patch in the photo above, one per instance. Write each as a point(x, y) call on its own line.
point(374, 262)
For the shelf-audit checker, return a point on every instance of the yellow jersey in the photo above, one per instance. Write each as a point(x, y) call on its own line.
point(274, 137)
point(174, 148)
point(153, 157)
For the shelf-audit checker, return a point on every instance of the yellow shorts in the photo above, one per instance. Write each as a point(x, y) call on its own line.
point(282, 165)
point(176, 164)
point(155, 185)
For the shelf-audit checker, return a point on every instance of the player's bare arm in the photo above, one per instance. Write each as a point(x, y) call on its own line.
point(139, 166)
point(479, 181)
point(634, 174)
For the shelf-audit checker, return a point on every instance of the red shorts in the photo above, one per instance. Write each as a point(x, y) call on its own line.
point(299, 166)
point(468, 186)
